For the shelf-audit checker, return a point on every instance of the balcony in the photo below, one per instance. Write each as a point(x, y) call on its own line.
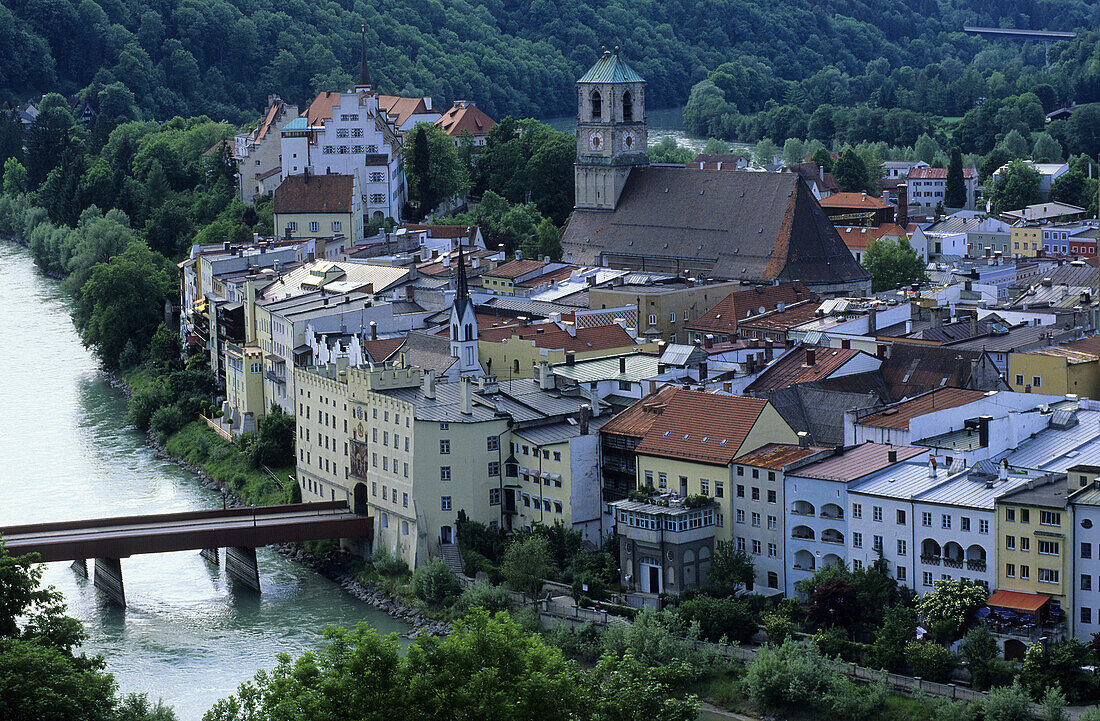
point(953, 562)
point(975, 565)
point(930, 560)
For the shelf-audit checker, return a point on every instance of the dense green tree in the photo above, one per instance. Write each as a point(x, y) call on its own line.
point(1074, 188)
point(730, 571)
point(273, 445)
point(954, 195)
point(1046, 149)
point(718, 618)
point(952, 605)
point(432, 168)
point(667, 150)
point(15, 177)
point(714, 146)
point(929, 660)
point(11, 137)
point(926, 148)
point(765, 152)
point(979, 650)
point(49, 136)
point(435, 583)
point(625, 689)
point(122, 300)
point(852, 174)
point(1015, 145)
point(526, 563)
point(794, 151)
point(824, 159)
point(1083, 131)
point(899, 627)
point(1017, 187)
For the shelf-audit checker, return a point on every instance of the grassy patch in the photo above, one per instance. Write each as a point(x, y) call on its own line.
point(138, 377)
point(723, 690)
point(905, 708)
point(197, 444)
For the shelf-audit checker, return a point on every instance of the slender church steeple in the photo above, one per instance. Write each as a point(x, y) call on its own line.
point(364, 71)
point(464, 323)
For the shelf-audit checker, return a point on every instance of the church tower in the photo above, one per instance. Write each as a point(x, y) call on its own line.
point(611, 131)
point(464, 323)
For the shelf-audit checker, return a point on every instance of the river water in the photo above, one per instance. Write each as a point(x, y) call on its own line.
point(187, 636)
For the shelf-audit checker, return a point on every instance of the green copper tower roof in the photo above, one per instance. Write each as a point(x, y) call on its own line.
point(610, 69)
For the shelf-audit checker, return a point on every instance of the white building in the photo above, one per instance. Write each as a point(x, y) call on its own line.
point(1048, 173)
point(927, 187)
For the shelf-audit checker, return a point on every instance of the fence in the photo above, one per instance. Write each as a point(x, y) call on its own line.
point(218, 428)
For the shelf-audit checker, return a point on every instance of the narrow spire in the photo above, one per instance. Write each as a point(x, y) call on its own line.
point(364, 72)
point(462, 290)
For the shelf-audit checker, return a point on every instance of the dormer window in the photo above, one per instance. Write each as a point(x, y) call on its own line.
point(597, 105)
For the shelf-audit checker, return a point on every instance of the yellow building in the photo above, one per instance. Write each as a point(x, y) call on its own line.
point(244, 385)
point(1026, 240)
point(512, 352)
point(504, 279)
point(665, 307)
point(1035, 539)
point(308, 206)
point(1058, 370)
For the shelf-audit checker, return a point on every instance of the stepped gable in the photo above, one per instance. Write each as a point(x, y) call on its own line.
point(746, 226)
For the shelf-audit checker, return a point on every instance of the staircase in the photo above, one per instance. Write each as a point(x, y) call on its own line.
point(452, 557)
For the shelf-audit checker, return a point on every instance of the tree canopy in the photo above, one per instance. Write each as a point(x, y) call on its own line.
point(892, 263)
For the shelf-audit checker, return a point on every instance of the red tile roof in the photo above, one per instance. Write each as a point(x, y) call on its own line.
point(855, 463)
point(304, 193)
point(382, 349)
point(515, 268)
point(464, 116)
point(859, 237)
point(854, 200)
point(723, 317)
point(898, 416)
point(774, 456)
point(703, 427)
point(552, 337)
point(794, 367)
point(321, 107)
point(399, 109)
point(794, 315)
point(636, 420)
point(935, 173)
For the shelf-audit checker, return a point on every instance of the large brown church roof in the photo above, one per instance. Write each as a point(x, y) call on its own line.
point(740, 225)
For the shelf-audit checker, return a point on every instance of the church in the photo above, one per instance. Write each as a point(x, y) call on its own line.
point(757, 228)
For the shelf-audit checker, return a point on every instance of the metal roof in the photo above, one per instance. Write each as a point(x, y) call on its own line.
point(858, 462)
point(297, 124)
point(610, 69)
point(966, 490)
point(639, 367)
point(552, 433)
point(901, 480)
point(1055, 449)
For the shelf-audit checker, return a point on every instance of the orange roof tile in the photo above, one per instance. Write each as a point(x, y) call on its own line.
point(636, 420)
point(858, 462)
point(859, 237)
point(774, 456)
point(516, 268)
point(854, 200)
point(723, 317)
point(899, 415)
point(552, 337)
point(382, 349)
point(321, 107)
point(795, 368)
point(703, 427)
point(399, 109)
point(463, 117)
point(785, 320)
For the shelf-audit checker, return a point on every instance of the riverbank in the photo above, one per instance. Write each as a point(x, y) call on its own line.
point(332, 563)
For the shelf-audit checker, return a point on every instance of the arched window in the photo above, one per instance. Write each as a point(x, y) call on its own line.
point(628, 108)
point(469, 332)
point(597, 105)
point(454, 332)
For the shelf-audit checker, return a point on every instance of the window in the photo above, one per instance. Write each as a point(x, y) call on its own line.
point(876, 513)
point(740, 543)
point(292, 226)
point(356, 132)
point(649, 478)
point(1086, 614)
point(1050, 518)
point(1086, 582)
point(375, 177)
point(771, 475)
point(926, 578)
point(857, 565)
point(444, 447)
point(945, 521)
point(494, 468)
point(740, 491)
point(771, 496)
point(558, 508)
point(1010, 542)
point(773, 523)
point(1025, 515)
point(719, 489)
point(378, 198)
point(1048, 548)
point(557, 455)
point(1035, 381)
point(877, 540)
point(1010, 570)
point(492, 443)
point(926, 519)
point(662, 479)
point(1010, 514)
point(653, 319)
point(442, 426)
point(740, 515)
point(405, 500)
point(755, 494)
point(1025, 544)
point(857, 510)
point(756, 473)
point(964, 523)
point(1048, 575)
point(901, 517)
point(901, 548)
point(494, 496)
point(672, 317)
point(686, 317)
point(704, 486)
point(444, 473)
point(756, 547)
point(756, 519)
point(445, 502)
point(773, 579)
point(1019, 379)
point(983, 525)
point(1086, 550)
point(1025, 572)
point(857, 540)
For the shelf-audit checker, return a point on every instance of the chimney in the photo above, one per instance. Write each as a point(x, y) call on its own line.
point(810, 360)
point(892, 456)
point(937, 317)
point(803, 439)
point(909, 326)
point(585, 413)
point(446, 260)
point(983, 430)
point(902, 214)
point(880, 351)
point(622, 365)
point(570, 357)
point(872, 322)
point(708, 341)
point(429, 384)
point(373, 330)
point(845, 344)
point(750, 363)
point(519, 255)
point(466, 395)
point(931, 466)
point(1002, 470)
point(594, 401)
point(546, 376)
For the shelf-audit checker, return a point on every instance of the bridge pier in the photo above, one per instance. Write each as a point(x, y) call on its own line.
point(210, 554)
point(108, 578)
point(240, 564)
point(80, 565)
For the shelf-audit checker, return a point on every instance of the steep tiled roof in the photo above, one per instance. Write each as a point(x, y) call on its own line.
point(776, 455)
point(399, 109)
point(464, 117)
point(702, 427)
point(314, 194)
point(785, 320)
point(610, 68)
point(321, 107)
point(935, 173)
point(552, 337)
point(636, 420)
point(858, 237)
point(723, 317)
point(899, 415)
point(382, 349)
point(794, 367)
point(854, 200)
point(811, 173)
point(752, 226)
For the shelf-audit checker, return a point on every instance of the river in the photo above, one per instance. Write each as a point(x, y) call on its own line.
point(187, 635)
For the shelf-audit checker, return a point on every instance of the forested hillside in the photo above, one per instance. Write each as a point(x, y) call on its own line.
point(156, 59)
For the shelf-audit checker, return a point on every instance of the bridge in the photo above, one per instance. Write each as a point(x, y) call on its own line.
point(239, 530)
point(1043, 36)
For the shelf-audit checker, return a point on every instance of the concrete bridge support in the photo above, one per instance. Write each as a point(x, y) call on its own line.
point(210, 554)
point(240, 564)
point(80, 565)
point(108, 578)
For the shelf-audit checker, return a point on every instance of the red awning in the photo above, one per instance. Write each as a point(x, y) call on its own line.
point(1018, 601)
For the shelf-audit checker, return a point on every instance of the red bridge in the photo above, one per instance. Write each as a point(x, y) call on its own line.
point(239, 530)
